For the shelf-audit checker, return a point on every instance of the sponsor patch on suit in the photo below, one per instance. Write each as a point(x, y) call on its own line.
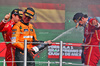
point(14, 30)
point(31, 29)
point(25, 29)
point(13, 37)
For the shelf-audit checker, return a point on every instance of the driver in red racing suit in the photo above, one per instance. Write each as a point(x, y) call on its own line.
point(6, 28)
point(91, 38)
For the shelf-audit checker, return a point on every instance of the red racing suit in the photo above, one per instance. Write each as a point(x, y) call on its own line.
point(6, 29)
point(92, 35)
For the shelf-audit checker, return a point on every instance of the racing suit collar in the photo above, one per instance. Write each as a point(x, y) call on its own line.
point(11, 21)
point(85, 24)
point(23, 22)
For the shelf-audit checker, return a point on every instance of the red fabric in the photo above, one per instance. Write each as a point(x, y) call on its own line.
point(10, 55)
point(91, 53)
point(2, 49)
point(6, 31)
point(10, 51)
point(2, 25)
point(91, 56)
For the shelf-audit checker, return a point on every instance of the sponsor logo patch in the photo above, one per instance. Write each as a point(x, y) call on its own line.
point(13, 41)
point(25, 29)
point(13, 37)
point(14, 30)
point(31, 29)
point(28, 36)
point(14, 33)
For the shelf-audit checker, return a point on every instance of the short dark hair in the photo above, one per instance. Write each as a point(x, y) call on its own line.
point(18, 12)
point(85, 16)
point(78, 16)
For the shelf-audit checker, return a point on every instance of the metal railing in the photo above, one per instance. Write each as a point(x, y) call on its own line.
point(60, 56)
point(25, 56)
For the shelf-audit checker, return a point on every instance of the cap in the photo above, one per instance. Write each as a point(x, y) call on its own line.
point(17, 12)
point(29, 12)
point(77, 17)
